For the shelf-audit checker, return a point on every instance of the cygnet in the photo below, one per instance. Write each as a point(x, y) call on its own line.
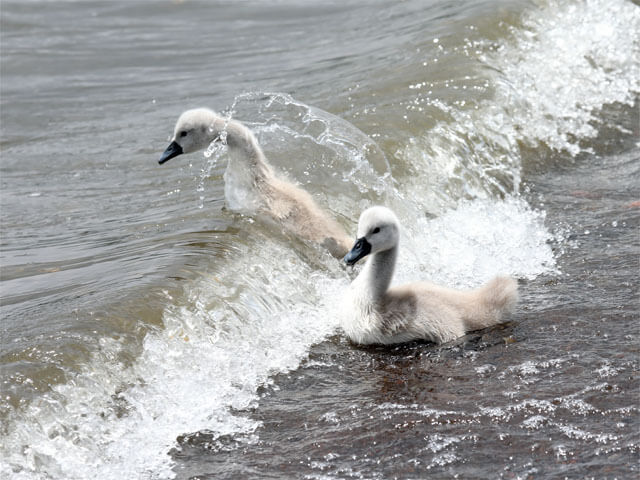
point(373, 313)
point(268, 194)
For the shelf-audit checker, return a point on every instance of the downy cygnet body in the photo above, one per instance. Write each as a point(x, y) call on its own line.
point(374, 313)
point(250, 182)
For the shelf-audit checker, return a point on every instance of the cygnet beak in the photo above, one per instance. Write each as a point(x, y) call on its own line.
point(361, 249)
point(173, 150)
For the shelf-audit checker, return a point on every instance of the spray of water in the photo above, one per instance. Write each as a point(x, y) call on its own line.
point(256, 311)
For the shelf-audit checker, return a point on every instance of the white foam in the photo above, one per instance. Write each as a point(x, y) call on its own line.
point(220, 343)
point(563, 67)
point(550, 79)
point(479, 239)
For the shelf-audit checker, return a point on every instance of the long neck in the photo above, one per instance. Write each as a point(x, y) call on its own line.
point(377, 273)
point(241, 140)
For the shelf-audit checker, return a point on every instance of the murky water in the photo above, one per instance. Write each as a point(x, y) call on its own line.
point(149, 331)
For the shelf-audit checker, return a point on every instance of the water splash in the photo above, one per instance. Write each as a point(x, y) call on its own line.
point(113, 421)
point(555, 99)
point(546, 84)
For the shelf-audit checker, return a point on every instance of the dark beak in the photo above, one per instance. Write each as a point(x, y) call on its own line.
point(361, 249)
point(173, 150)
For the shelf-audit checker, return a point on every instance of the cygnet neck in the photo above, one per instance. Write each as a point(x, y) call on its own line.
point(241, 140)
point(378, 273)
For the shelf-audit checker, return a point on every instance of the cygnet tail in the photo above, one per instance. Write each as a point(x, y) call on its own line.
point(490, 303)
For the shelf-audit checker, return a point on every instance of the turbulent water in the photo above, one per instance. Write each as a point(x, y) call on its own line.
point(151, 330)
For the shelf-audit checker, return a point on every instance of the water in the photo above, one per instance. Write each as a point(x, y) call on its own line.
point(150, 331)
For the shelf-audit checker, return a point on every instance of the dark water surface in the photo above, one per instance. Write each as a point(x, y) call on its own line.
point(150, 331)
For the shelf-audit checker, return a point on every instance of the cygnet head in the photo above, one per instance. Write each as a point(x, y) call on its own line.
point(378, 230)
point(193, 132)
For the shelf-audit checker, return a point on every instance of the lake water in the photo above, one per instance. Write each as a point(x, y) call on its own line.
point(149, 331)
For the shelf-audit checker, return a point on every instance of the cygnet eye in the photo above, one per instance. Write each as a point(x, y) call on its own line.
point(183, 133)
point(376, 230)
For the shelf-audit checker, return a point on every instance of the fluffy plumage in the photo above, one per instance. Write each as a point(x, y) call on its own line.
point(373, 313)
point(288, 204)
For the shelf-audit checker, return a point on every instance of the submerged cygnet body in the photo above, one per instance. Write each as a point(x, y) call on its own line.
point(373, 313)
point(281, 200)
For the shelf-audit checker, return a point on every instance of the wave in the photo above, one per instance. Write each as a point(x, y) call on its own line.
point(249, 314)
point(255, 309)
point(558, 68)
